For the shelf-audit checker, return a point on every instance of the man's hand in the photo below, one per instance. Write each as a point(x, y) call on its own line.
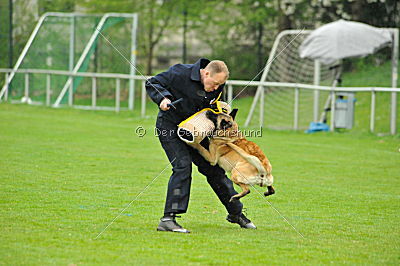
point(164, 104)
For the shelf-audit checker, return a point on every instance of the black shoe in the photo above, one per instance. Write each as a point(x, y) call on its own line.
point(169, 224)
point(241, 220)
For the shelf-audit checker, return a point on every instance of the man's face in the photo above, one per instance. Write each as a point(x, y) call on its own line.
point(210, 81)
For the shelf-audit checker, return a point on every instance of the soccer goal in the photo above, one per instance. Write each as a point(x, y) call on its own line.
point(62, 46)
point(294, 107)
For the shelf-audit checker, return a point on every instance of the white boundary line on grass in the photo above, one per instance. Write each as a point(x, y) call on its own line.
point(137, 196)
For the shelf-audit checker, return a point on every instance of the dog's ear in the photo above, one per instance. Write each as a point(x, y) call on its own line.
point(233, 113)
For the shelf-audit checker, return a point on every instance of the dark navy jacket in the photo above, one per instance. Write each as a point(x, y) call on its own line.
point(181, 81)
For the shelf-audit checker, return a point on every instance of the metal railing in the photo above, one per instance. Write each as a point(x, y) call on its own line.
point(330, 89)
point(75, 68)
point(230, 84)
point(94, 76)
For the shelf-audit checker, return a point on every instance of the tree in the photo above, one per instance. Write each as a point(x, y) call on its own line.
point(5, 34)
point(237, 32)
point(56, 6)
point(154, 18)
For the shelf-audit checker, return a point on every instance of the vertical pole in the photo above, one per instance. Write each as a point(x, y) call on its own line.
point(96, 51)
point(82, 58)
point(224, 95)
point(7, 87)
point(26, 94)
point(71, 59)
point(252, 107)
point(185, 14)
point(393, 113)
point(70, 93)
point(395, 61)
point(48, 89)
point(372, 121)
point(131, 94)
point(10, 35)
point(333, 99)
point(24, 51)
point(264, 75)
point(262, 101)
point(94, 92)
point(117, 94)
point(260, 57)
point(296, 109)
point(143, 99)
point(230, 93)
point(72, 43)
point(317, 75)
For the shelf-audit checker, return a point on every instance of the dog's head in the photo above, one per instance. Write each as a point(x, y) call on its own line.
point(225, 124)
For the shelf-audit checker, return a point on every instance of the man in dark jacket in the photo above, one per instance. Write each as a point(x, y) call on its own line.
point(199, 85)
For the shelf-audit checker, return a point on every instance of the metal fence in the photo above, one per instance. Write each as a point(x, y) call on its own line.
point(4, 94)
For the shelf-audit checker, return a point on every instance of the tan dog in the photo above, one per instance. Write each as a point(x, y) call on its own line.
point(245, 160)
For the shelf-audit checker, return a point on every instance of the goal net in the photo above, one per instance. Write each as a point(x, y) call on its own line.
point(287, 66)
point(58, 45)
point(286, 108)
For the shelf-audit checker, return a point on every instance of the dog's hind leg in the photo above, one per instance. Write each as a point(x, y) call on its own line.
point(270, 191)
point(245, 191)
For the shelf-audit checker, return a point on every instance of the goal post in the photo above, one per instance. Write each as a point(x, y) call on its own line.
point(89, 49)
point(70, 42)
point(395, 65)
point(277, 106)
point(285, 65)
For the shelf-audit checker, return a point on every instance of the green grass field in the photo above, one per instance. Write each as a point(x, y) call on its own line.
point(65, 174)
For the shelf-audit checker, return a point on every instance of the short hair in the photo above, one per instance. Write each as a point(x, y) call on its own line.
point(217, 66)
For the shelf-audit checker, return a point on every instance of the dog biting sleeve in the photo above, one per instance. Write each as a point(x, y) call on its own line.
point(195, 128)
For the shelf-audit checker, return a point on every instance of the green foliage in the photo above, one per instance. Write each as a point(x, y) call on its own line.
point(241, 32)
point(154, 18)
point(56, 6)
point(4, 34)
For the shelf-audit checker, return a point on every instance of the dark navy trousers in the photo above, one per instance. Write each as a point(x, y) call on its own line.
point(181, 157)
